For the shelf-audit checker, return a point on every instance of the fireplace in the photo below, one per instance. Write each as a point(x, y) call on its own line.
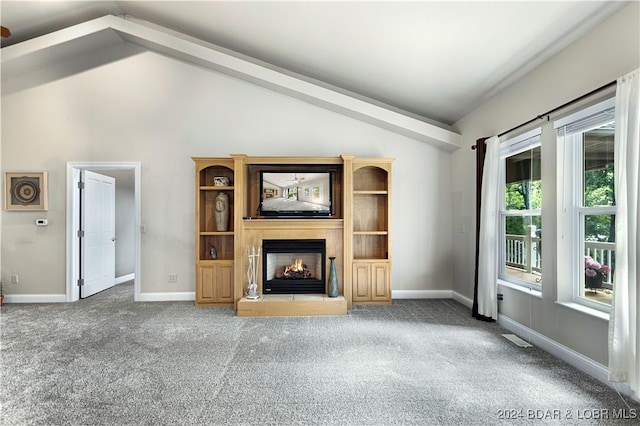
point(293, 266)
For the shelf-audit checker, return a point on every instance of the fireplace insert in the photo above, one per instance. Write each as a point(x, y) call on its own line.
point(293, 266)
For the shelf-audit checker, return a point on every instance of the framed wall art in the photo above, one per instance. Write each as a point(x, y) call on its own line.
point(25, 191)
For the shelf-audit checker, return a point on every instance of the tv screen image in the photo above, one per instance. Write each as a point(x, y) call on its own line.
point(295, 193)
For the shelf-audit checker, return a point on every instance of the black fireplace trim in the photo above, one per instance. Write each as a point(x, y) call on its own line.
point(293, 245)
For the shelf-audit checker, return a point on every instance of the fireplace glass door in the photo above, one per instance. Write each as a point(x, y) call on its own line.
point(293, 266)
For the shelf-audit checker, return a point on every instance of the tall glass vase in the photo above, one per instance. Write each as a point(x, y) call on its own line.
point(332, 288)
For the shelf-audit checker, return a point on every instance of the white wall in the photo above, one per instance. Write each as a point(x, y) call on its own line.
point(127, 104)
point(609, 51)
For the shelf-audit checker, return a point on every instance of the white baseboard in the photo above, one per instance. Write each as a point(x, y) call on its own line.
point(125, 278)
point(35, 298)
point(421, 294)
point(576, 359)
point(462, 299)
point(167, 297)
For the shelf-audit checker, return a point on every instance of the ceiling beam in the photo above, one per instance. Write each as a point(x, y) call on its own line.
point(99, 33)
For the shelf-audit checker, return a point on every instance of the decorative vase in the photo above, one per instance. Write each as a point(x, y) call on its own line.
point(332, 290)
point(220, 181)
point(222, 212)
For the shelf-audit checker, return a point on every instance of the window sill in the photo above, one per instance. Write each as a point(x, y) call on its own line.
point(526, 290)
point(586, 310)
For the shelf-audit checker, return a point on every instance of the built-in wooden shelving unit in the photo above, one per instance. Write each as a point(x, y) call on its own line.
point(214, 277)
point(371, 262)
point(357, 234)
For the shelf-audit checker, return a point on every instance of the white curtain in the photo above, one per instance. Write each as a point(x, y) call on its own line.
point(624, 324)
point(488, 240)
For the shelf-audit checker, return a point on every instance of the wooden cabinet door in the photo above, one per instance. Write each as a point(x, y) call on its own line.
point(371, 282)
point(361, 282)
point(205, 293)
point(380, 282)
point(215, 283)
point(224, 283)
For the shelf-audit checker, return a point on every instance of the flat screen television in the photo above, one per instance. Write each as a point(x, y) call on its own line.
point(296, 193)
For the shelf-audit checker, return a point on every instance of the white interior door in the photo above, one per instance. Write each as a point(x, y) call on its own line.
point(98, 245)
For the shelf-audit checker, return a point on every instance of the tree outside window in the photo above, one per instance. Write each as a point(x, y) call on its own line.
point(521, 237)
point(597, 211)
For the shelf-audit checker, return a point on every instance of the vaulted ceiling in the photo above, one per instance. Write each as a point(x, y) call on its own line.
point(432, 60)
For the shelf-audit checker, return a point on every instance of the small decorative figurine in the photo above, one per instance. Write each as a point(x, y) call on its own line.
point(213, 254)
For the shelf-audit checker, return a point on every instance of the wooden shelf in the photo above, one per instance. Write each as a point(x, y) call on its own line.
point(216, 188)
point(205, 233)
point(370, 233)
point(293, 223)
point(209, 262)
point(372, 192)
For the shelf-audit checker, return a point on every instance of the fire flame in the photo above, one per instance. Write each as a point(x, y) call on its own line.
point(296, 266)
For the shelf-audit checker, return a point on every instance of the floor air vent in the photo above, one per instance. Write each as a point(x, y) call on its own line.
point(518, 341)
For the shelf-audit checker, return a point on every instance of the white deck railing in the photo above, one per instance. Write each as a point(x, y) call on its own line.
point(524, 252)
point(603, 254)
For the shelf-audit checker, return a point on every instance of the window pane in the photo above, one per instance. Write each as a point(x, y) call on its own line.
point(597, 171)
point(599, 257)
point(601, 227)
point(523, 186)
point(523, 248)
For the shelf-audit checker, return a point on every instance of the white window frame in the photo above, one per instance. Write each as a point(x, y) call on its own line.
point(571, 213)
point(521, 143)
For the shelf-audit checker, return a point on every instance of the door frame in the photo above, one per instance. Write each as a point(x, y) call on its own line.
point(73, 221)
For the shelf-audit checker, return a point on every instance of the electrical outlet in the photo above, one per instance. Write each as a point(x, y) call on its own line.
point(14, 279)
point(173, 278)
point(500, 296)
